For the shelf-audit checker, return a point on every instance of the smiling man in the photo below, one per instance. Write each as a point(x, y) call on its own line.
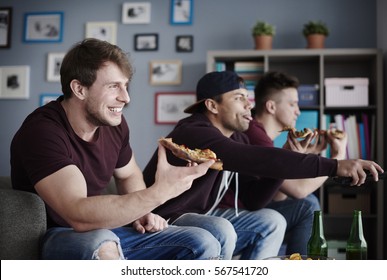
point(68, 150)
point(219, 118)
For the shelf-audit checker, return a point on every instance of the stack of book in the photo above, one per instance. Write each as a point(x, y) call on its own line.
point(250, 71)
point(360, 131)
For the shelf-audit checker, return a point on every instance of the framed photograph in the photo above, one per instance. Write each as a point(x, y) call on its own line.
point(165, 72)
point(184, 43)
point(5, 27)
point(136, 13)
point(146, 42)
point(103, 30)
point(54, 61)
point(45, 27)
point(48, 97)
point(14, 82)
point(181, 12)
point(169, 106)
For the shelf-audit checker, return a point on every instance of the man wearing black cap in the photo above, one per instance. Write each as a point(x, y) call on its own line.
point(219, 117)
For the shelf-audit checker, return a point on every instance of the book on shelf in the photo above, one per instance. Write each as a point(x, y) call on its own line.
point(361, 134)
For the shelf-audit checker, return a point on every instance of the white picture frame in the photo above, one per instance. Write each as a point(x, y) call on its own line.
point(14, 82)
point(136, 13)
point(54, 62)
point(169, 106)
point(102, 30)
point(165, 72)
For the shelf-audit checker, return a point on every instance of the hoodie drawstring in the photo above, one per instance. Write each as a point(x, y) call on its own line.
point(226, 180)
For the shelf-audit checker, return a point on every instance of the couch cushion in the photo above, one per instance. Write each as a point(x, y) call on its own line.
point(5, 182)
point(22, 223)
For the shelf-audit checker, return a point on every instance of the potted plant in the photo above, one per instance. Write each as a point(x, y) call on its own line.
point(315, 33)
point(263, 33)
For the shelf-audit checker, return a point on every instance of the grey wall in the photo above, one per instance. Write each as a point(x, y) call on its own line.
point(217, 24)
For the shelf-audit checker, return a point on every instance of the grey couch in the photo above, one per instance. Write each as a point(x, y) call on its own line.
point(22, 223)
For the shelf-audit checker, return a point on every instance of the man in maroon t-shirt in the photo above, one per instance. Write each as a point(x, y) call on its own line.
point(276, 100)
point(68, 150)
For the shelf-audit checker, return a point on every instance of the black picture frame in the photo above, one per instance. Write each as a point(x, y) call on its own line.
point(184, 43)
point(5, 27)
point(146, 42)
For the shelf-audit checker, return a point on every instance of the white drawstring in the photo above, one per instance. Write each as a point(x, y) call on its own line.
point(226, 180)
point(236, 194)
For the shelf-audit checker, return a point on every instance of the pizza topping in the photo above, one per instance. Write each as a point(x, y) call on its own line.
point(196, 155)
point(297, 133)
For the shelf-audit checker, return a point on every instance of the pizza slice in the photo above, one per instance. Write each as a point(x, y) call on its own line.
point(197, 155)
point(297, 133)
point(337, 133)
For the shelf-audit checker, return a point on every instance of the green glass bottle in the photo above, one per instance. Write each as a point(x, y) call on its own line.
point(317, 245)
point(356, 244)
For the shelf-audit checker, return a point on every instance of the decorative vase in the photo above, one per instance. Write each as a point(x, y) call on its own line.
point(315, 41)
point(263, 42)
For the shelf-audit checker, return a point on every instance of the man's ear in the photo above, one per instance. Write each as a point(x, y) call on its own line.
point(211, 105)
point(77, 89)
point(270, 106)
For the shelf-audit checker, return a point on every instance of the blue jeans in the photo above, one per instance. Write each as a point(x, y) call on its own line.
point(259, 234)
point(299, 217)
point(184, 243)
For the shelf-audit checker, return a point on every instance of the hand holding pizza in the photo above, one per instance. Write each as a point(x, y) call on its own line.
point(174, 180)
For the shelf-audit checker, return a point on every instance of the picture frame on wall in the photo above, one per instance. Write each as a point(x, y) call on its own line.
point(43, 27)
point(146, 42)
point(102, 30)
point(181, 12)
point(5, 27)
point(165, 72)
point(47, 98)
point(169, 106)
point(54, 62)
point(14, 82)
point(136, 13)
point(184, 43)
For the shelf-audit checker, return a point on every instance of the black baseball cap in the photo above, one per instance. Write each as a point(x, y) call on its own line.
point(215, 83)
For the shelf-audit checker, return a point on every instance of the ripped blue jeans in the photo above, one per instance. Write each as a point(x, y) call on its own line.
point(184, 243)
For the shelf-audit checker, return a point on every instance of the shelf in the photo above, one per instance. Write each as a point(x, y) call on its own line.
point(312, 66)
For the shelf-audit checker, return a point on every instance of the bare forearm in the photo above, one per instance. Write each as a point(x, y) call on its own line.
point(111, 211)
point(301, 188)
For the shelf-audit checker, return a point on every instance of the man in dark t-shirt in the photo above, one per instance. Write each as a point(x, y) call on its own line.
point(68, 150)
point(219, 117)
point(276, 99)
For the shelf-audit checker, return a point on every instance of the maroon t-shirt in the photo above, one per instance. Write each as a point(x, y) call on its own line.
point(46, 143)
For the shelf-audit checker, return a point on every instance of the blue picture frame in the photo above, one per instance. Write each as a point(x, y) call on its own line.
point(181, 12)
point(43, 27)
point(48, 97)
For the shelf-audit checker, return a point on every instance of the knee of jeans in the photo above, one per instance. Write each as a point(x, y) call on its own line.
point(109, 250)
point(108, 246)
point(277, 220)
point(226, 231)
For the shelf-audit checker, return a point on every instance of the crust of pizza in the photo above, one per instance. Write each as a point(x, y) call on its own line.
point(197, 155)
point(337, 133)
point(297, 133)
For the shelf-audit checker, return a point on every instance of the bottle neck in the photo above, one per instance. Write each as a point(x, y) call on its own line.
point(357, 227)
point(318, 228)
